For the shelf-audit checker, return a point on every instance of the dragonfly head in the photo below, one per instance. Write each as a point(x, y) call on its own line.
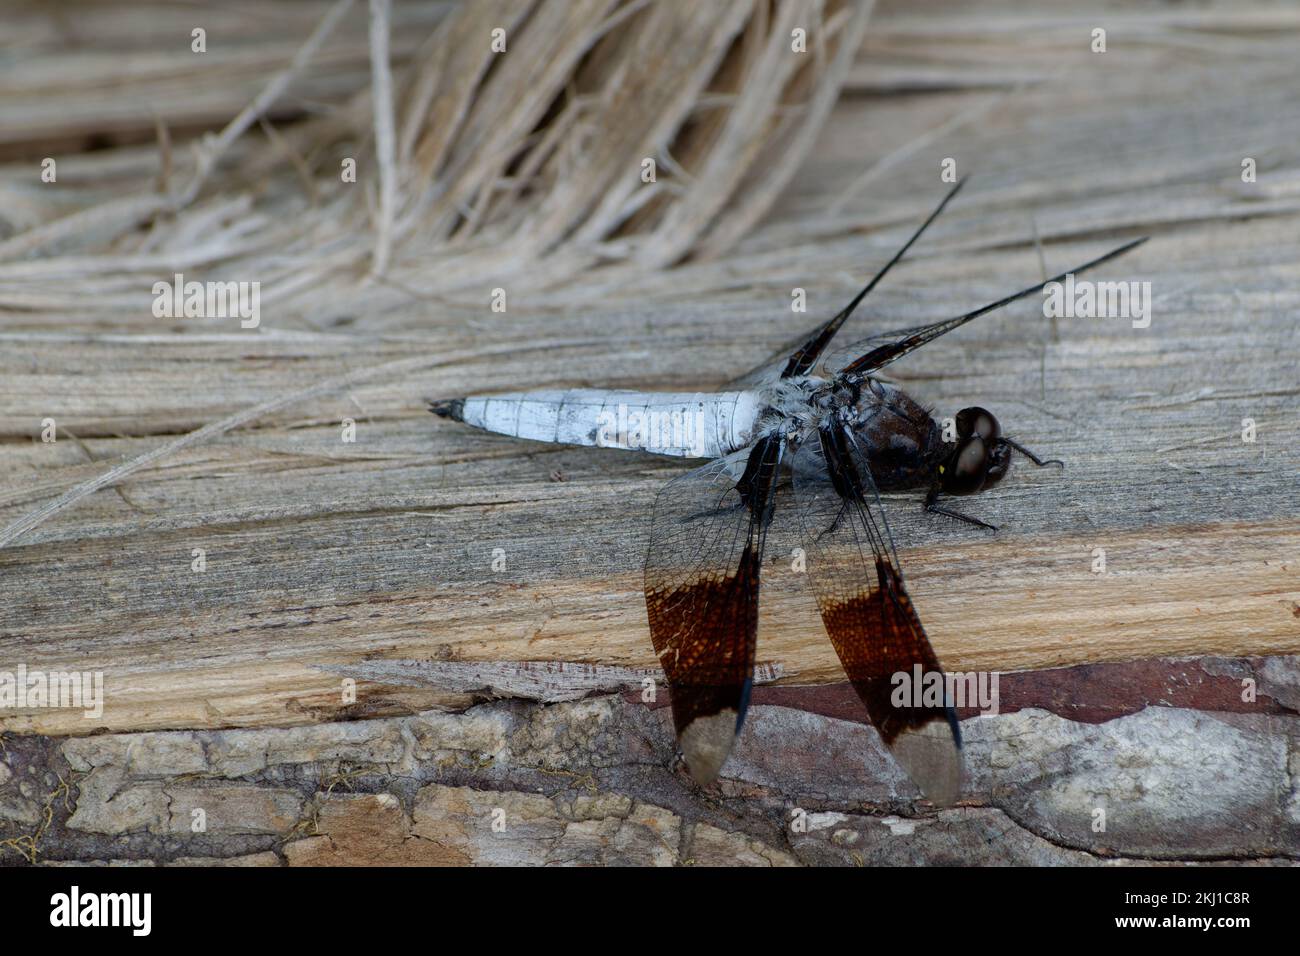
point(980, 457)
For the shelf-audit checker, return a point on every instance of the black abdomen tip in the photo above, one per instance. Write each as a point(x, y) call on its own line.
point(453, 408)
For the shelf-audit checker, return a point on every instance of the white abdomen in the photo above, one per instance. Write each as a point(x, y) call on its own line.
point(686, 424)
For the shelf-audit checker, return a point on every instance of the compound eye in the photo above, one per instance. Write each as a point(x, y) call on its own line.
point(970, 467)
point(978, 421)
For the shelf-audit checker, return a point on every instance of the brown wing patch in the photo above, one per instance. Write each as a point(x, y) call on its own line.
point(703, 634)
point(701, 587)
point(868, 614)
point(877, 634)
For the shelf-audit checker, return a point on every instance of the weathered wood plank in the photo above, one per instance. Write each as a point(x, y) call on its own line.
point(323, 554)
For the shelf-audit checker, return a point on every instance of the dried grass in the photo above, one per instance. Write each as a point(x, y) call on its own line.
point(475, 168)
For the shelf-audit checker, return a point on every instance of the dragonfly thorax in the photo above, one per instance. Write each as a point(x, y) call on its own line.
point(901, 441)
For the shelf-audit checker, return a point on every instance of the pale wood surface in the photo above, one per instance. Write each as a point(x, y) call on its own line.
point(321, 553)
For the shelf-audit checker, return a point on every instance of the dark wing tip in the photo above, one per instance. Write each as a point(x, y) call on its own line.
point(453, 408)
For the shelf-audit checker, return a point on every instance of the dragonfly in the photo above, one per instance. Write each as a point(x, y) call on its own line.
point(825, 422)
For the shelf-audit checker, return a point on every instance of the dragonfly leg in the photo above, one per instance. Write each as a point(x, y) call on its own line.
point(933, 507)
point(839, 518)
